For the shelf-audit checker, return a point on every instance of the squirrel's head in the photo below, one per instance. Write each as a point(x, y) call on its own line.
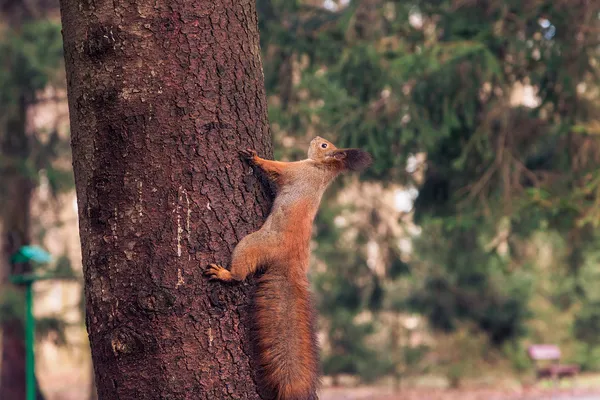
point(319, 148)
point(351, 159)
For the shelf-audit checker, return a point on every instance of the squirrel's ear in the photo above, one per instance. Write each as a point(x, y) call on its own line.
point(356, 159)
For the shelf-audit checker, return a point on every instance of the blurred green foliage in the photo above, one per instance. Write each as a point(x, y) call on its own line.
point(502, 98)
point(31, 56)
point(31, 60)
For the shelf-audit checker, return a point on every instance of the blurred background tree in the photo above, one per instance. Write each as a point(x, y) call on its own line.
point(501, 98)
point(31, 62)
point(474, 233)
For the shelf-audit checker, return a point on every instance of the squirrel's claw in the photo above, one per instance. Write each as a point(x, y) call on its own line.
point(249, 154)
point(215, 272)
point(212, 271)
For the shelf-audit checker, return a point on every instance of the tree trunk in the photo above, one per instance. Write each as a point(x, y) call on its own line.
point(16, 190)
point(12, 380)
point(162, 96)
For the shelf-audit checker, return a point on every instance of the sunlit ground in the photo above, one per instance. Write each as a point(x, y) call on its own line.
point(584, 387)
point(378, 394)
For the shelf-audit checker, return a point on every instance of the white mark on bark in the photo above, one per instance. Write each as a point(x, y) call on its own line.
point(180, 280)
point(179, 228)
point(113, 226)
point(129, 253)
point(181, 192)
point(139, 206)
point(189, 214)
point(208, 206)
point(210, 337)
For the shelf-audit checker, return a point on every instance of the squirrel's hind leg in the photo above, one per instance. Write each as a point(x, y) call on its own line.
point(215, 272)
point(248, 255)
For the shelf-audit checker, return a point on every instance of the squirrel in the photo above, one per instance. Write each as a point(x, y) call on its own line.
point(286, 334)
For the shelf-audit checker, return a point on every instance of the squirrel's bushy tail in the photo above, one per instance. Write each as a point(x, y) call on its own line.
point(286, 338)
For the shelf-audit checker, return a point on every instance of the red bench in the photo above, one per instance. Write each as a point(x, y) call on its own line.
point(546, 358)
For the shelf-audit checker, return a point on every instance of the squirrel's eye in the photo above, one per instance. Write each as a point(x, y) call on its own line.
point(324, 145)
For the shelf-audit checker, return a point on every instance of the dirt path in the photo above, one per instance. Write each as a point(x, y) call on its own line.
point(367, 393)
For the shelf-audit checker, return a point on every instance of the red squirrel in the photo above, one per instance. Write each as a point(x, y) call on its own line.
point(286, 339)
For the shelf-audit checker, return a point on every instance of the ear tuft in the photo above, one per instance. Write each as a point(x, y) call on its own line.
point(357, 159)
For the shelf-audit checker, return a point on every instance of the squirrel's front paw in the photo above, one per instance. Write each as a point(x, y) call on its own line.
point(249, 154)
point(216, 272)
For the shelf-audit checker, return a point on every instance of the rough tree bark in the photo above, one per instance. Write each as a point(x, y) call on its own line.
point(162, 95)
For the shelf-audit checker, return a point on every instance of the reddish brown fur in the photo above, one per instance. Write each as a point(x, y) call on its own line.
point(287, 345)
point(286, 340)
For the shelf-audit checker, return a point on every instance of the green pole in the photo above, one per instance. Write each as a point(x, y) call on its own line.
point(29, 341)
point(23, 255)
point(28, 281)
